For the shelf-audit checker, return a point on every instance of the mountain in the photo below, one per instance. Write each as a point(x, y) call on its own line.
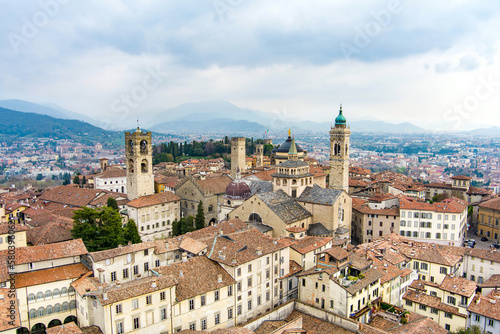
point(16, 124)
point(209, 111)
point(494, 131)
point(217, 125)
point(48, 109)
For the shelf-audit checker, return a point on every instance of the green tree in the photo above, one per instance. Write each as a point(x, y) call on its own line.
point(199, 221)
point(112, 203)
point(84, 180)
point(187, 225)
point(469, 330)
point(176, 228)
point(76, 179)
point(39, 177)
point(99, 229)
point(130, 233)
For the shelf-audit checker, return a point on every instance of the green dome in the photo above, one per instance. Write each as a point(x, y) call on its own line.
point(340, 118)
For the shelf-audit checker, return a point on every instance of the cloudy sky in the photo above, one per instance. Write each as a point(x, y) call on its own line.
point(433, 63)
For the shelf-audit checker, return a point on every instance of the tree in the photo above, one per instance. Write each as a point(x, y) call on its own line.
point(99, 229)
point(76, 179)
point(469, 330)
point(187, 225)
point(176, 228)
point(39, 177)
point(199, 221)
point(84, 180)
point(112, 203)
point(130, 233)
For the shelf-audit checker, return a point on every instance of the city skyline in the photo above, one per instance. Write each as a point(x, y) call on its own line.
point(435, 65)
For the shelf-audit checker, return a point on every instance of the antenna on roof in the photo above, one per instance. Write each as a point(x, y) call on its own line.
point(138, 122)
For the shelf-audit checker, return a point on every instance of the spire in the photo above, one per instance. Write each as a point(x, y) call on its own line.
point(340, 120)
point(292, 152)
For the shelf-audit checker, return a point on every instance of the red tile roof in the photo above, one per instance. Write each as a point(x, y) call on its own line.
point(154, 199)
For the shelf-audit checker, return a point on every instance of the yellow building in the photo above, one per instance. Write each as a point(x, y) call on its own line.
point(489, 219)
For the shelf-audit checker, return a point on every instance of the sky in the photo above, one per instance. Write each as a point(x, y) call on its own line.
point(433, 63)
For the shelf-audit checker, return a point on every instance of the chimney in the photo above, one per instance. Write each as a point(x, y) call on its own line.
point(120, 246)
point(219, 278)
point(130, 243)
point(221, 255)
point(233, 260)
point(181, 273)
point(105, 295)
point(275, 242)
point(259, 250)
point(184, 257)
point(153, 284)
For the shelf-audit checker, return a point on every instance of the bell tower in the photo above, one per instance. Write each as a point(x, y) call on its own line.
point(237, 155)
point(339, 153)
point(259, 155)
point(139, 156)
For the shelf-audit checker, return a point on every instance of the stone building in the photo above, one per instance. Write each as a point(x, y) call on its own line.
point(281, 153)
point(489, 219)
point(238, 155)
point(374, 220)
point(339, 153)
point(139, 157)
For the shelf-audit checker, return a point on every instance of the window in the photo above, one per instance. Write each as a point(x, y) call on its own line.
point(491, 323)
point(238, 272)
point(238, 286)
point(135, 304)
point(113, 276)
point(125, 273)
point(119, 327)
point(229, 290)
point(146, 252)
point(424, 266)
point(268, 296)
point(452, 300)
point(443, 270)
point(136, 270)
point(447, 327)
point(217, 318)
point(239, 309)
point(422, 307)
point(409, 303)
point(137, 325)
point(435, 311)
point(448, 315)
point(216, 295)
point(146, 266)
point(249, 268)
point(118, 308)
point(203, 299)
point(230, 313)
point(148, 300)
point(163, 313)
point(162, 295)
point(249, 282)
point(191, 304)
point(157, 263)
point(192, 326)
point(249, 305)
point(478, 318)
point(203, 324)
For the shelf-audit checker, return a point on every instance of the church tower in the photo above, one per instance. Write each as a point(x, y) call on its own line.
point(238, 155)
point(259, 155)
point(139, 156)
point(339, 153)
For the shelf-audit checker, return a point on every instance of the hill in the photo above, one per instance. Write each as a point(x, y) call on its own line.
point(216, 125)
point(494, 131)
point(16, 124)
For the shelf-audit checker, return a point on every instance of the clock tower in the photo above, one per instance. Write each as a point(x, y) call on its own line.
point(139, 156)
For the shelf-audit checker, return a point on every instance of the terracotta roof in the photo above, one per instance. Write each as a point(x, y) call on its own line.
point(154, 199)
point(265, 175)
point(461, 177)
point(48, 234)
point(226, 227)
point(492, 282)
point(49, 252)
point(296, 229)
point(431, 301)
point(371, 276)
point(487, 254)
point(121, 250)
point(56, 274)
point(488, 306)
point(241, 247)
point(4, 228)
point(294, 269)
point(479, 191)
point(315, 325)
point(217, 185)
point(364, 208)
point(449, 205)
point(70, 195)
point(337, 252)
point(458, 285)
point(493, 204)
point(112, 173)
point(69, 328)
point(191, 245)
point(309, 244)
point(419, 325)
point(5, 302)
point(196, 276)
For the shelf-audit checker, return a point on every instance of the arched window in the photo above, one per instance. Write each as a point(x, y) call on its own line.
point(71, 290)
point(210, 208)
point(32, 313)
point(39, 296)
point(302, 182)
point(131, 146)
point(50, 310)
point(31, 297)
point(285, 182)
point(40, 312)
point(254, 217)
point(64, 291)
point(131, 166)
point(48, 294)
point(56, 293)
point(72, 304)
point(144, 147)
point(291, 235)
point(192, 206)
point(65, 306)
point(57, 308)
point(294, 182)
point(144, 166)
point(278, 182)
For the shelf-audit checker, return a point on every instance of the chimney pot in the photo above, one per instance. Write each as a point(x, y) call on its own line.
point(219, 278)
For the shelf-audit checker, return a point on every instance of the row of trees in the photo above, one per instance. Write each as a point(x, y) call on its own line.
point(102, 229)
point(172, 151)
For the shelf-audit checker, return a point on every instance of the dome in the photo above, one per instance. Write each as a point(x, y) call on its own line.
point(285, 147)
point(238, 189)
point(340, 119)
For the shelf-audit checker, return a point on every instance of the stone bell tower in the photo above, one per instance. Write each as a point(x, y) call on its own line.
point(259, 155)
point(139, 156)
point(237, 155)
point(339, 153)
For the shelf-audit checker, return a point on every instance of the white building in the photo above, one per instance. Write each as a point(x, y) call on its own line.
point(114, 180)
point(484, 311)
point(443, 223)
point(480, 264)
